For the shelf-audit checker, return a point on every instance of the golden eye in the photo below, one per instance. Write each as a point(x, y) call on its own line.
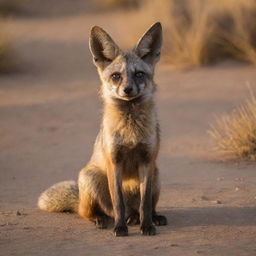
point(116, 76)
point(139, 74)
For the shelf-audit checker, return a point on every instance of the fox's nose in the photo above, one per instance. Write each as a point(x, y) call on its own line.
point(127, 89)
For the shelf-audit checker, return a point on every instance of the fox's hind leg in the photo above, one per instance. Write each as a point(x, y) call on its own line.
point(94, 197)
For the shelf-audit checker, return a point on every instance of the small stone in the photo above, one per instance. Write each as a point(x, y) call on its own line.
point(199, 251)
point(217, 202)
point(220, 178)
point(18, 213)
point(204, 198)
point(237, 188)
point(174, 245)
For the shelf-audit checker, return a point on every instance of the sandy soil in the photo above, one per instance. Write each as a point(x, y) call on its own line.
point(49, 117)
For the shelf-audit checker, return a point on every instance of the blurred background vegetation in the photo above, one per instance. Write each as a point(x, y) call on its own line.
point(6, 50)
point(197, 32)
point(201, 32)
point(8, 8)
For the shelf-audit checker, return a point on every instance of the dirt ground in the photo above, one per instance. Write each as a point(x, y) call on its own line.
point(50, 114)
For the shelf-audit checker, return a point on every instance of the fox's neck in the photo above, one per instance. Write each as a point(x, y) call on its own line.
point(128, 109)
point(134, 122)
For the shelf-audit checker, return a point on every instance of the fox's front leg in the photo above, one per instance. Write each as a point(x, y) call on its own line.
point(115, 188)
point(146, 225)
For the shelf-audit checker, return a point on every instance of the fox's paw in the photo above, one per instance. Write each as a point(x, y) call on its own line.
point(148, 230)
point(133, 219)
point(101, 222)
point(121, 231)
point(159, 220)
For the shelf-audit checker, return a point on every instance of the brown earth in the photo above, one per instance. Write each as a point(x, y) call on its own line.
point(49, 116)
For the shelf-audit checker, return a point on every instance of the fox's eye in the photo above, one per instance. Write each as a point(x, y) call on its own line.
point(139, 75)
point(116, 77)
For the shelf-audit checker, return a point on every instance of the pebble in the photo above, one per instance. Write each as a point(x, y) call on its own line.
point(216, 202)
point(18, 213)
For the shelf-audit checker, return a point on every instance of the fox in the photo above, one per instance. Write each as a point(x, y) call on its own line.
point(121, 180)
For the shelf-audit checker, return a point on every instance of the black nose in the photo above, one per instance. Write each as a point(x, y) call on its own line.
point(128, 89)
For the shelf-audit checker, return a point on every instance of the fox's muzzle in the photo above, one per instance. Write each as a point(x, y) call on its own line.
point(128, 90)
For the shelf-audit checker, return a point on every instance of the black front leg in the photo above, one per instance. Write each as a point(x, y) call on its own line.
point(146, 224)
point(115, 187)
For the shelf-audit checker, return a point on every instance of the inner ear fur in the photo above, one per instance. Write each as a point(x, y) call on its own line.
point(149, 46)
point(103, 48)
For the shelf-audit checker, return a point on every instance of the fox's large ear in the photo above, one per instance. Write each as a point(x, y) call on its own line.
point(104, 50)
point(149, 46)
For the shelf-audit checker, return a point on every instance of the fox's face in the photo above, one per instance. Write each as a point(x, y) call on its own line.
point(126, 75)
point(126, 78)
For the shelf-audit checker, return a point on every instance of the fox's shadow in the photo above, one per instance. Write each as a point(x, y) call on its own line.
point(208, 216)
point(228, 216)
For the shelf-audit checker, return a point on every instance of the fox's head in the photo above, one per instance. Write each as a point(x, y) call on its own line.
point(126, 75)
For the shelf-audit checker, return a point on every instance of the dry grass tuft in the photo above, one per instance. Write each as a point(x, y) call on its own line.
point(6, 52)
point(235, 134)
point(199, 32)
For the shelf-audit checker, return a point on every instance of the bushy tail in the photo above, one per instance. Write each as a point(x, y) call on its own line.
point(60, 197)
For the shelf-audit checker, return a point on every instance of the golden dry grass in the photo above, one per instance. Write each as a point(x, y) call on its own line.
point(235, 134)
point(199, 32)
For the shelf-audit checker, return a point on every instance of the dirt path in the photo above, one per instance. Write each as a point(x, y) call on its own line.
point(49, 117)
